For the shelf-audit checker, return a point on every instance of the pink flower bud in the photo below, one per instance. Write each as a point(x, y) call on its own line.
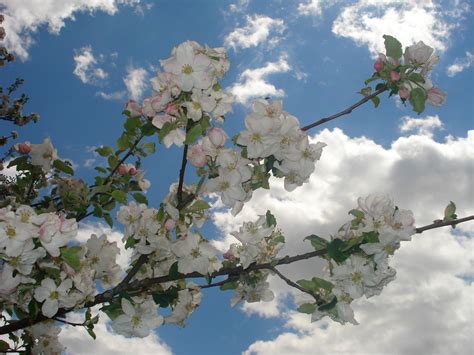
point(395, 76)
point(171, 109)
point(436, 97)
point(132, 171)
point(217, 136)
point(122, 169)
point(23, 148)
point(404, 93)
point(228, 255)
point(170, 224)
point(134, 108)
point(378, 65)
point(196, 156)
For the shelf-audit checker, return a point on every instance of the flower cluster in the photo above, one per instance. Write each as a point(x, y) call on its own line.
point(407, 74)
point(38, 262)
point(260, 242)
point(377, 230)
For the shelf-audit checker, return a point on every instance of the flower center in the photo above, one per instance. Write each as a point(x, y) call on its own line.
point(195, 253)
point(54, 295)
point(196, 105)
point(256, 138)
point(11, 231)
point(187, 69)
point(135, 321)
point(224, 186)
point(356, 277)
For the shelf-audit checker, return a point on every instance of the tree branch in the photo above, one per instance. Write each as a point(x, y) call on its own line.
point(346, 111)
point(137, 285)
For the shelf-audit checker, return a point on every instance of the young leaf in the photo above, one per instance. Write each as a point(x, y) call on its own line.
point(104, 151)
point(393, 48)
point(449, 211)
point(271, 220)
point(62, 166)
point(417, 100)
point(193, 134)
point(317, 242)
point(231, 285)
point(69, 255)
point(376, 101)
point(335, 250)
point(199, 205)
point(307, 308)
point(120, 196)
point(140, 198)
point(167, 128)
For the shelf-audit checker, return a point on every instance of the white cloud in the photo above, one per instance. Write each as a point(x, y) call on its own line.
point(86, 67)
point(421, 126)
point(77, 341)
point(115, 95)
point(239, 6)
point(252, 82)
point(257, 30)
point(410, 21)
point(460, 64)
point(135, 81)
point(314, 7)
point(427, 309)
point(24, 18)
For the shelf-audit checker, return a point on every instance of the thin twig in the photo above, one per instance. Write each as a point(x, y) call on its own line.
point(346, 111)
point(444, 223)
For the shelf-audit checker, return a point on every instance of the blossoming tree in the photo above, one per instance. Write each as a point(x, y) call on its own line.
point(45, 273)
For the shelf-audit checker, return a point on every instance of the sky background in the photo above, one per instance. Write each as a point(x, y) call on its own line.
point(81, 60)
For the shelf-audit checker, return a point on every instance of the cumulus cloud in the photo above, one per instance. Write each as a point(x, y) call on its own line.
point(86, 67)
point(136, 82)
point(421, 126)
point(77, 341)
point(239, 6)
point(430, 298)
point(460, 64)
point(410, 21)
point(24, 18)
point(257, 30)
point(253, 82)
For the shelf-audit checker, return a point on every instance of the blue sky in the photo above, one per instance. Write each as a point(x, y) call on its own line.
point(82, 61)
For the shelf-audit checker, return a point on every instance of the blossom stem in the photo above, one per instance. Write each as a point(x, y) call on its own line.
point(346, 111)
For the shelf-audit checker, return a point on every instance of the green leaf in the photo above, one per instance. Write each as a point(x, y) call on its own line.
point(90, 330)
point(193, 134)
point(376, 101)
point(199, 205)
point(317, 242)
point(393, 48)
point(33, 308)
point(231, 285)
point(321, 283)
point(307, 284)
point(148, 129)
point(371, 237)
point(164, 299)
point(113, 310)
point(4, 347)
point(62, 166)
point(174, 273)
point(449, 211)
point(112, 160)
point(140, 198)
point(416, 77)
point(167, 128)
point(71, 257)
point(328, 306)
point(417, 100)
point(104, 151)
point(271, 220)
point(123, 142)
point(108, 219)
point(307, 308)
point(130, 242)
point(335, 250)
point(120, 196)
point(131, 124)
point(18, 161)
point(374, 77)
point(357, 213)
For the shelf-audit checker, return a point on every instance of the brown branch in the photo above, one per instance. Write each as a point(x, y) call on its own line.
point(346, 111)
point(439, 224)
point(179, 193)
point(294, 284)
point(137, 285)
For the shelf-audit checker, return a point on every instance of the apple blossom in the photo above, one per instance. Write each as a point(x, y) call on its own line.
point(418, 53)
point(43, 154)
point(133, 108)
point(436, 97)
point(53, 296)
